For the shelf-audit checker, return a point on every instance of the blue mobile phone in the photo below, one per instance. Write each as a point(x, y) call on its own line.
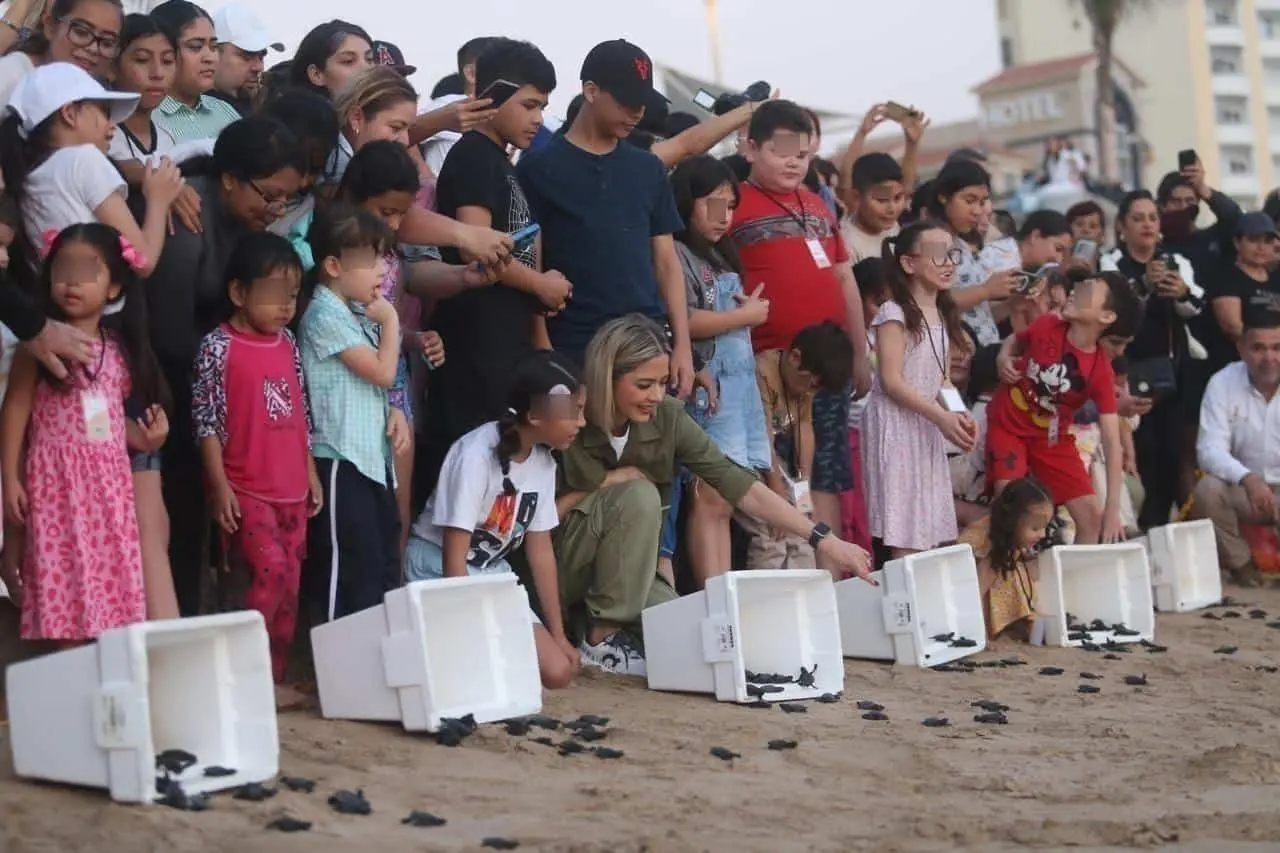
point(524, 238)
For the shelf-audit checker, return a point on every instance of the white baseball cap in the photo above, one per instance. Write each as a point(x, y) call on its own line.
point(238, 25)
point(51, 87)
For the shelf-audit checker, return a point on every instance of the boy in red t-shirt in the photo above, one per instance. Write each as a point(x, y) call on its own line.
point(1047, 372)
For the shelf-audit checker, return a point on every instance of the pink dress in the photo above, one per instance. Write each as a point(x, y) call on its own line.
point(82, 569)
point(904, 456)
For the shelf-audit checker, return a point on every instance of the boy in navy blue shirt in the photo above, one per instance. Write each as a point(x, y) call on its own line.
point(607, 212)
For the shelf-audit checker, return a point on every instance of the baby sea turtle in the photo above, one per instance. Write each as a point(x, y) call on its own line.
point(806, 678)
point(1014, 661)
point(875, 716)
point(1089, 676)
point(1122, 630)
point(542, 721)
point(216, 772)
point(989, 706)
point(1112, 646)
point(590, 734)
point(173, 796)
point(963, 643)
point(828, 699)
point(992, 664)
point(1230, 614)
point(943, 638)
point(936, 722)
point(176, 761)
point(768, 678)
point(1152, 648)
point(1051, 670)
point(867, 705)
point(1267, 668)
point(759, 691)
point(571, 747)
point(759, 704)
point(1273, 624)
point(606, 752)
point(495, 843)
point(950, 667)
point(591, 720)
point(423, 819)
point(453, 730)
point(517, 727)
point(1226, 650)
point(1111, 656)
point(1090, 647)
point(1098, 625)
point(254, 792)
point(1136, 680)
point(544, 740)
point(1211, 615)
point(1077, 635)
point(724, 754)
point(297, 783)
point(793, 708)
point(1257, 614)
point(780, 745)
point(1088, 688)
point(289, 824)
point(992, 717)
point(350, 802)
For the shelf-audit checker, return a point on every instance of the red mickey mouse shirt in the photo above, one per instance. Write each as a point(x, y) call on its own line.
point(1058, 378)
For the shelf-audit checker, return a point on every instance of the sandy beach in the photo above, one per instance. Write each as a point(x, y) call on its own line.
point(1190, 763)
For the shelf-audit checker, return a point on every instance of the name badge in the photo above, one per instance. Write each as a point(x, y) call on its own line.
point(819, 254)
point(949, 398)
point(97, 421)
point(801, 497)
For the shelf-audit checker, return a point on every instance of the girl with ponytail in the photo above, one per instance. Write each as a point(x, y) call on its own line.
point(497, 493)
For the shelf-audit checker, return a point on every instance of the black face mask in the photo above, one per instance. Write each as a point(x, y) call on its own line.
point(1179, 224)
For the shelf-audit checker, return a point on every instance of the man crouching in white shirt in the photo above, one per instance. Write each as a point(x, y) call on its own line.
point(1239, 445)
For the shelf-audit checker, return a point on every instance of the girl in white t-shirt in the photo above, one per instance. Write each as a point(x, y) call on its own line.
point(497, 493)
point(53, 154)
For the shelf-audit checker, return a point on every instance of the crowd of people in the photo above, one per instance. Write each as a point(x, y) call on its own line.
point(304, 325)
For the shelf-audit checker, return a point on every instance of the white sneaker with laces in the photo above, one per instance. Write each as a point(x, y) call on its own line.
point(616, 653)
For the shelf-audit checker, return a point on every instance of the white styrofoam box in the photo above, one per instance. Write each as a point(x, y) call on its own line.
point(766, 621)
point(99, 715)
point(1107, 582)
point(1184, 566)
point(433, 649)
point(920, 596)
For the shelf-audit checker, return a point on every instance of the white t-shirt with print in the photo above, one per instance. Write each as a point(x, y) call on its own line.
point(67, 189)
point(469, 496)
point(13, 68)
point(974, 270)
point(437, 148)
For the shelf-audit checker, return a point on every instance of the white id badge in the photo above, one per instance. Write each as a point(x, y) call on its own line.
point(819, 254)
point(801, 498)
point(1053, 430)
point(949, 398)
point(1037, 631)
point(97, 421)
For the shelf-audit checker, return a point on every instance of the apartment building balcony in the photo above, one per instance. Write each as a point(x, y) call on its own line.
point(1240, 184)
point(1234, 134)
point(1269, 48)
point(1224, 35)
point(1236, 85)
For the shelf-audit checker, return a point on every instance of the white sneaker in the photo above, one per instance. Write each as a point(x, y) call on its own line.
point(616, 653)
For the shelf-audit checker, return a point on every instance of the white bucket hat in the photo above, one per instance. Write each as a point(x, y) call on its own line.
point(51, 87)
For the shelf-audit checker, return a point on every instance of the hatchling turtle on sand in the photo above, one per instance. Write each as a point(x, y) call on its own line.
point(297, 783)
point(936, 722)
point(173, 796)
point(724, 754)
point(950, 667)
point(758, 704)
point(585, 720)
point(806, 678)
point(176, 761)
point(1267, 668)
point(1226, 650)
point(1089, 676)
point(1122, 630)
point(875, 716)
point(1113, 656)
point(423, 819)
point(499, 844)
point(1230, 614)
point(289, 824)
point(571, 747)
point(828, 698)
point(793, 708)
point(1210, 615)
point(542, 721)
point(1088, 688)
point(453, 730)
point(1051, 670)
point(867, 705)
point(992, 718)
point(590, 734)
point(254, 792)
point(1136, 680)
point(780, 745)
point(350, 802)
point(544, 741)
point(1114, 647)
point(517, 727)
point(606, 752)
point(1257, 614)
point(989, 706)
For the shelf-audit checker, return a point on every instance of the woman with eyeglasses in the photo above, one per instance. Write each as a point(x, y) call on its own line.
point(251, 179)
point(82, 32)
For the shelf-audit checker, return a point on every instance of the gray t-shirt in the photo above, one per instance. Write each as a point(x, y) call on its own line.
point(699, 294)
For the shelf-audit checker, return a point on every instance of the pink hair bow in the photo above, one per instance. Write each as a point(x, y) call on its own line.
point(135, 259)
point(48, 237)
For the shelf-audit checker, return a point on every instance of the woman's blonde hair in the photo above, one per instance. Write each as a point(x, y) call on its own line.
point(371, 91)
point(618, 348)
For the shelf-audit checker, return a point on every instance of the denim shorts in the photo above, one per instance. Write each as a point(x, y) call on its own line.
point(142, 461)
point(424, 561)
point(832, 471)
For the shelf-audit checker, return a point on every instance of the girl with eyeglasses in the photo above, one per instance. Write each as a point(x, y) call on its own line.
point(914, 410)
point(83, 32)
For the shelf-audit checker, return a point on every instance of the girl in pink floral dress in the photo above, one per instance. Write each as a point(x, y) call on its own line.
point(73, 495)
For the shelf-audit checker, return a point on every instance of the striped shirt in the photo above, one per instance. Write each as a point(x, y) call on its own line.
point(206, 121)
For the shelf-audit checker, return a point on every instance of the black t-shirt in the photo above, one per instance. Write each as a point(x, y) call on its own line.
point(1163, 330)
point(1254, 296)
point(486, 331)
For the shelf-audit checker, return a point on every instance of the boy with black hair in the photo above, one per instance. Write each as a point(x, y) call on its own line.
point(1048, 371)
point(818, 360)
point(1087, 221)
point(789, 241)
point(349, 341)
point(488, 331)
point(878, 197)
point(608, 213)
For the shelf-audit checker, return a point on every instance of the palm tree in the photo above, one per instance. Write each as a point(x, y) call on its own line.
point(1105, 17)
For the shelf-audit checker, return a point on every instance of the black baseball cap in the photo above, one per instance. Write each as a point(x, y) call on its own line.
point(386, 53)
point(1256, 224)
point(624, 71)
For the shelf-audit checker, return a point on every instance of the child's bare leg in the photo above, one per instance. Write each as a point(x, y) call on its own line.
point(554, 665)
point(404, 475)
point(15, 539)
point(1087, 515)
point(710, 549)
point(153, 533)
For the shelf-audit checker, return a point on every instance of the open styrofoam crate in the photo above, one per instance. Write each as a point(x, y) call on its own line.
point(1107, 582)
point(99, 715)
point(432, 650)
point(767, 621)
point(921, 596)
point(1184, 566)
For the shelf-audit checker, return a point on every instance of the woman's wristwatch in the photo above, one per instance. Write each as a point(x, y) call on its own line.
point(820, 531)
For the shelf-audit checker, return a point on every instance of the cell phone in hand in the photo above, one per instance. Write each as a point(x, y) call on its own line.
point(705, 100)
point(523, 239)
point(1187, 158)
point(499, 91)
point(1085, 250)
point(895, 111)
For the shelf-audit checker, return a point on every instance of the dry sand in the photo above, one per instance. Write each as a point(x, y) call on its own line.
point(1190, 763)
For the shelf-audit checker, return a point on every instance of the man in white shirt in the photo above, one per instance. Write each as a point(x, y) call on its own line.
point(435, 149)
point(1239, 445)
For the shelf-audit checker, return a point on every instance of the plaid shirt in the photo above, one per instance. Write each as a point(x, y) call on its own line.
point(349, 415)
point(206, 121)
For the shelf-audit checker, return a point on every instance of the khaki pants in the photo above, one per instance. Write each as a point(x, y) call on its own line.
point(1227, 506)
point(607, 553)
point(766, 552)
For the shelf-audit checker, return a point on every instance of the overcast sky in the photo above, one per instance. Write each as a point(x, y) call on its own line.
point(842, 55)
